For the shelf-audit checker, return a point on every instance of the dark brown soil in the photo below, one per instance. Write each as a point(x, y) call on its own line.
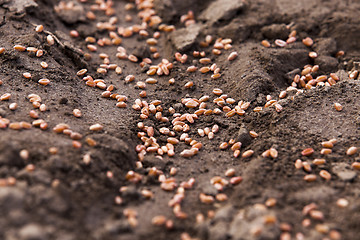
point(65, 199)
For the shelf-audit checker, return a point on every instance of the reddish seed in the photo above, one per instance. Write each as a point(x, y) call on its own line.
point(308, 42)
point(307, 152)
point(236, 180)
point(74, 33)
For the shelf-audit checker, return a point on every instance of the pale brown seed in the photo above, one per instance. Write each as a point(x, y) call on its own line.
point(42, 108)
point(351, 151)
point(319, 161)
point(247, 153)
point(236, 180)
point(39, 28)
point(217, 91)
point(133, 58)
point(280, 43)
point(81, 72)
point(158, 220)
point(5, 97)
point(223, 145)
point(308, 42)
point(27, 75)
point(77, 113)
point(273, 152)
point(356, 165)
point(20, 48)
point(221, 197)
point(327, 144)
point(338, 107)
point(39, 53)
point(236, 146)
point(265, 43)
point(33, 114)
point(236, 153)
point(230, 172)
point(342, 202)
point(307, 166)
point(96, 127)
point(271, 202)
point(310, 177)
point(24, 154)
point(232, 56)
point(44, 65)
point(207, 199)
point(13, 106)
point(313, 54)
point(15, 126)
point(50, 40)
point(44, 81)
point(298, 164)
point(325, 151)
point(253, 134)
point(325, 174)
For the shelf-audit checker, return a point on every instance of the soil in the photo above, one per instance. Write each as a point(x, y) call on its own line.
point(65, 198)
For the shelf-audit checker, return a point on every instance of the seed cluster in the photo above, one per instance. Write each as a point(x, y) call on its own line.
point(175, 131)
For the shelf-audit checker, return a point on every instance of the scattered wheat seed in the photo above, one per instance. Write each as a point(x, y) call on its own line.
point(298, 164)
point(351, 151)
point(5, 97)
point(20, 48)
point(325, 174)
point(280, 43)
point(308, 42)
point(44, 81)
point(247, 153)
point(27, 75)
point(338, 107)
point(232, 56)
point(273, 152)
point(96, 127)
point(50, 40)
point(310, 177)
point(265, 43)
point(307, 152)
point(325, 151)
point(271, 202)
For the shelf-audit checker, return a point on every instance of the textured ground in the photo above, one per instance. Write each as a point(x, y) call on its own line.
point(59, 196)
